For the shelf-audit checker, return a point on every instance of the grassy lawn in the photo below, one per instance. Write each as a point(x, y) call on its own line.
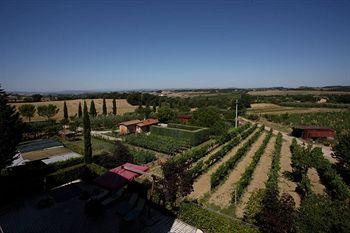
point(98, 146)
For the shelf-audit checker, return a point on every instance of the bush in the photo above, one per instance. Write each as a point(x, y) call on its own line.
point(64, 175)
point(142, 157)
point(211, 222)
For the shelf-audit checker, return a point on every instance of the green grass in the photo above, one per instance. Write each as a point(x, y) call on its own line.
point(98, 146)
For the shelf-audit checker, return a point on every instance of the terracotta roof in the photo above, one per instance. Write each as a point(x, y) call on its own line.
point(132, 122)
point(147, 122)
point(185, 116)
point(311, 127)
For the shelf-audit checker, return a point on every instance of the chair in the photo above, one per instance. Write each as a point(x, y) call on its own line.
point(135, 213)
point(126, 206)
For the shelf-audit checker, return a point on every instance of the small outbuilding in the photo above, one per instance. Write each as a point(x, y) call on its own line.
point(127, 127)
point(185, 118)
point(313, 132)
point(145, 125)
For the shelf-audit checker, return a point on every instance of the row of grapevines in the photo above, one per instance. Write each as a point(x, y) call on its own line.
point(221, 173)
point(248, 173)
point(335, 185)
point(272, 182)
point(202, 166)
point(301, 164)
point(230, 134)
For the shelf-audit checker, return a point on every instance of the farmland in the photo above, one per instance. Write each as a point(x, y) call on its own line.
point(122, 107)
point(336, 120)
point(272, 92)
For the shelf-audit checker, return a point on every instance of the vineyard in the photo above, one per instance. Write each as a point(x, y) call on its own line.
point(229, 170)
point(335, 120)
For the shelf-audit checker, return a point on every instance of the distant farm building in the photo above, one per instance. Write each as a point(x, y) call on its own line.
point(138, 126)
point(185, 118)
point(313, 132)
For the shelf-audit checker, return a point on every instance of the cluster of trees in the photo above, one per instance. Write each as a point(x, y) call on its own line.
point(29, 110)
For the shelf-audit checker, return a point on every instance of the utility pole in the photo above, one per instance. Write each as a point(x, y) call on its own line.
point(236, 121)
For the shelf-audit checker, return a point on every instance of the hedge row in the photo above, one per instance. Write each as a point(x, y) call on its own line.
point(336, 187)
point(190, 134)
point(221, 173)
point(201, 166)
point(248, 173)
point(79, 171)
point(167, 145)
point(300, 165)
point(272, 182)
point(211, 222)
point(65, 175)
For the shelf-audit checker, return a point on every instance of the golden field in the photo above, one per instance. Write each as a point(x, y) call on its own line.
point(122, 107)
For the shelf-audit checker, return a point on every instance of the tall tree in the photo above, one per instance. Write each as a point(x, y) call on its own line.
point(27, 110)
point(11, 128)
point(65, 112)
point(48, 111)
point(80, 111)
point(114, 107)
point(104, 107)
point(93, 109)
point(87, 136)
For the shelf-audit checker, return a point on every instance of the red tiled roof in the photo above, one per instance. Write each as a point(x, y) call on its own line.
point(132, 122)
point(147, 122)
point(311, 127)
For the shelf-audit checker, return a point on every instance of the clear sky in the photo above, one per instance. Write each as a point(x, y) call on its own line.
point(59, 45)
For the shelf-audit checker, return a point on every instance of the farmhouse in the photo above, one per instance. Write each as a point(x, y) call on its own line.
point(145, 125)
point(136, 126)
point(313, 132)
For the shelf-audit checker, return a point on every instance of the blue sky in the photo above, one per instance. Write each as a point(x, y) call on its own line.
point(112, 45)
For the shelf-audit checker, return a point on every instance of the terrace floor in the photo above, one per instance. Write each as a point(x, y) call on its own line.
point(67, 215)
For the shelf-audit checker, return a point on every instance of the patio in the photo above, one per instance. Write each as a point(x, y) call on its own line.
point(67, 214)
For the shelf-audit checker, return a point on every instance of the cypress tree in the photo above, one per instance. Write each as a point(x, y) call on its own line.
point(87, 136)
point(104, 107)
point(11, 128)
point(80, 112)
point(65, 111)
point(93, 109)
point(114, 107)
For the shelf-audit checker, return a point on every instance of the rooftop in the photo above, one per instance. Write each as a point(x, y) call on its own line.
point(128, 123)
point(311, 127)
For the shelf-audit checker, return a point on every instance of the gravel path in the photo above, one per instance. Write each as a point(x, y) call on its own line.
point(285, 185)
point(222, 196)
point(202, 185)
point(260, 176)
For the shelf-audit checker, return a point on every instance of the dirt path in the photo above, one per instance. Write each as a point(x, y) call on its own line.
point(222, 196)
point(285, 185)
point(259, 177)
point(202, 185)
point(316, 185)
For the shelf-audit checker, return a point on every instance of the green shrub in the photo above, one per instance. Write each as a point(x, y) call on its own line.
point(142, 157)
point(211, 222)
point(64, 175)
